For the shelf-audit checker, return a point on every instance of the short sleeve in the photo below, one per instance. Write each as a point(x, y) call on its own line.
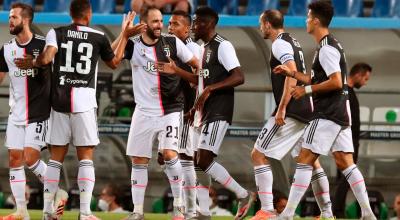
point(51, 39)
point(129, 50)
point(106, 51)
point(183, 53)
point(227, 56)
point(3, 63)
point(282, 51)
point(329, 57)
point(195, 49)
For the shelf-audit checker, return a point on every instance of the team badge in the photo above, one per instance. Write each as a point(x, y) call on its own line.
point(208, 55)
point(167, 51)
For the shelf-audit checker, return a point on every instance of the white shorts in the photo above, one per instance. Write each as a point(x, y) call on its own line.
point(32, 135)
point(211, 136)
point(323, 136)
point(276, 141)
point(186, 142)
point(79, 128)
point(146, 131)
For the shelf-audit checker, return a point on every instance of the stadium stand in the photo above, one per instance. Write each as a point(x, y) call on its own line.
point(225, 6)
point(255, 7)
point(346, 8)
point(7, 3)
point(386, 8)
point(298, 7)
point(103, 6)
point(56, 6)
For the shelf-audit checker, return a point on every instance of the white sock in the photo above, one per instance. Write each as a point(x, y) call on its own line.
point(301, 180)
point(357, 184)
point(174, 173)
point(86, 180)
point(39, 168)
point(189, 188)
point(17, 183)
point(139, 179)
point(320, 186)
point(50, 184)
point(202, 191)
point(221, 175)
point(264, 180)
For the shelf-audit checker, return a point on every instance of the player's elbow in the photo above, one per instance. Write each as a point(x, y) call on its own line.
point(240, 79)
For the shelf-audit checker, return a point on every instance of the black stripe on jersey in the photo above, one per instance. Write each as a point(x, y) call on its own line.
point(214, 133)
point(311, 133)
point(269, 136)
point(185, 135)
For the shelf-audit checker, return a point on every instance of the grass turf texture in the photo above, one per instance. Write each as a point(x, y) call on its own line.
point(73, 215)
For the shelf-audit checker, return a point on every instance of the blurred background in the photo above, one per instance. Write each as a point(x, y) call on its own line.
point(368, 30)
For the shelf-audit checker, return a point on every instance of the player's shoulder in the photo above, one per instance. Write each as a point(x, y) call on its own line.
point(135, 39)
point(169, 38)
point(219, 38)
point(39, 38)
point(89, 30)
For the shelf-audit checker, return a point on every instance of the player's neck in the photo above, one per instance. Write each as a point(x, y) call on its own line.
point(24, 37)
point(148, 40)
point(80, 22)
point(209, 36)
point(319, 33)
point(276, 33)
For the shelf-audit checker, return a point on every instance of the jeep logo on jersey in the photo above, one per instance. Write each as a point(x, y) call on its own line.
point(27, 72)
point(150, 67)
point(205, 73)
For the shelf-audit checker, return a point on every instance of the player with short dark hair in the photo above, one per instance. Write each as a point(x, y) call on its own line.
point(74, 51)
point(179, 25)
point(159, 105)
point(283, 131)
point(329, 131)
point(29, 107)
point(220, 73)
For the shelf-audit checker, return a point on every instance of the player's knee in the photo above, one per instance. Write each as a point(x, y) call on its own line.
point(16, 159)
point(258, 158)
point(343, 160)
point(169, 154)
point(30, 160)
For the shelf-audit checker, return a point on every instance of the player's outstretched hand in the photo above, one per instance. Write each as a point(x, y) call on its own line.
point(128, 27)
point(298, 92)
point(24, 63)
point(199, 105)
point(169, 68)
point(281, 69)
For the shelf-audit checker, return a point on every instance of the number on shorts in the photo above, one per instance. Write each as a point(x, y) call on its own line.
point(262, 133)
point(170, 130)
point(39, 127)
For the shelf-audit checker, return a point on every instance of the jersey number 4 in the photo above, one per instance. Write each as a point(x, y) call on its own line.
point(82, 67)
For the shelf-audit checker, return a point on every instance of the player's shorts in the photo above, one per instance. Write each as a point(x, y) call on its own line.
point(323, 136)
point(276, 141)
point(32, 135)
point(186, 142)
point(146, 131)
point(79, 128)
point(211, 136)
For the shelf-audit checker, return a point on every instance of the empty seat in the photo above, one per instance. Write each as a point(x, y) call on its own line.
point(256, 7)
point(346, 8)
point(7, 3)
point(298, 7)
point(103, 6)
point(386, 114)
point(386, 8)
point(56, 5)
point(224, 6)
point(364, 113)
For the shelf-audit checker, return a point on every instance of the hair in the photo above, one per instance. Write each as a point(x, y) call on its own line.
point(114, 190)
point(26, 10)
point(144, 12)
point(360, 68)
point(274, 17)
point(207, 13)
point(322, 10)
point(78, 8)
point(183, 14)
